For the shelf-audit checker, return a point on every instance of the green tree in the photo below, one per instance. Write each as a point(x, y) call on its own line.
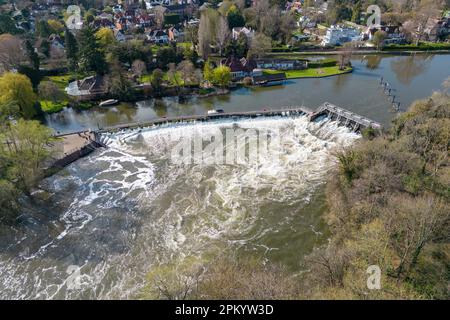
point(32, 55)
point(43, 29)
point(25, 152)
point(71, 49)
point(17, 88)
point(356, 12)
point(222, 76)
point(235, 18)
point(91, 56)
point(105, 37)
point(208, 72)
point(45, 47)
point(157, 79)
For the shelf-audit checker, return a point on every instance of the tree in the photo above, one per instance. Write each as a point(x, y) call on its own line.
point(159, 16)
point(11, 53)
point(157, 79)
point(259, 46)
point(222, 75)
point(43, 29)
point(49, 91)
point(186, 70)
point(378, 38)
point(71, 49)
point(91, 56)
point(222, 33)
point(138, 67)
point(17, 88)
point(45, 47)
point(119, 84)
point(105, 37)
point(191, 33)
point(356, 12)
point(206, 31)
point(165, 56)
point(288, 25)
point(55, 26)
point(235, 18)
point(173, 76)
point(7, 24)
point(208, 72)
point(27, 149)
point(32, 55)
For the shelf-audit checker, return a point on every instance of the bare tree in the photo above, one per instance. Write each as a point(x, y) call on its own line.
point(159, 16)
point(187, 72)
point(259, 46)
point(50, 91)
point(138, 67)
point(11, 53)
point(222, 33)
point(191, 32)
point(205, 34)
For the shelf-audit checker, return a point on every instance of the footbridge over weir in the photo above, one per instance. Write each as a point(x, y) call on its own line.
point(78, 144)
point(347, 118)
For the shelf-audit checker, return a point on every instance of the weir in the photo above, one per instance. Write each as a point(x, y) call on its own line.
point(76, 148)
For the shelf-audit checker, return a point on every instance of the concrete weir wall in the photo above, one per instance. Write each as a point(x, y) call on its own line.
point(79, 144)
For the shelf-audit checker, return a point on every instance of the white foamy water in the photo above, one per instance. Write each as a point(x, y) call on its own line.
point(123, 210)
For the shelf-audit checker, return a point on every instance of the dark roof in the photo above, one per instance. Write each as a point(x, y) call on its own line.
point(270, 77)
point(234, 64)
point(176, 7)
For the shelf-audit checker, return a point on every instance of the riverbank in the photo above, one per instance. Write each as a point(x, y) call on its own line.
point(312, 73)
point(356, 52)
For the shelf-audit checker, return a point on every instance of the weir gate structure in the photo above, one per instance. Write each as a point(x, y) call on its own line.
point(98, 138)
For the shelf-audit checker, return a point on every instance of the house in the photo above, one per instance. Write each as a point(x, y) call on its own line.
point(174, 34)
point(87, 87)
point(394, 35)
point(236, 32)
point(338, 35)
point(118, 34)
point(277, 64)
point(240, 68)
point(237, 69)
point(158, 36)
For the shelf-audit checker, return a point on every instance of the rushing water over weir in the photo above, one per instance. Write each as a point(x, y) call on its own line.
point(111, 217)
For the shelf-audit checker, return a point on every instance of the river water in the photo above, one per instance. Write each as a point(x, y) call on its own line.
point(411, 77)
point(108, 219)
point(118, 213)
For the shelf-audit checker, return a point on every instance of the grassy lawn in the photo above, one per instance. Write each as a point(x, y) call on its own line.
point(184, 45)
point(61, 81)
point(423, 46)
point(51, 107)
point(311, 73)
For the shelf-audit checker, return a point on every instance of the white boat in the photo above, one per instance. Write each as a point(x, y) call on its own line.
point(109, 102)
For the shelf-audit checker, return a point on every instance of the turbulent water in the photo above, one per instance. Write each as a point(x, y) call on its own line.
point(111, 217)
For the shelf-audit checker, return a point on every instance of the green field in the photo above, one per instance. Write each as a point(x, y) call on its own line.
point(311, 73)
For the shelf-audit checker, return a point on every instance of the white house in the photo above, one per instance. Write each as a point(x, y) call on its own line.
point(119, 35)
point(337, 35)
point(248, 32)
point(158, 36)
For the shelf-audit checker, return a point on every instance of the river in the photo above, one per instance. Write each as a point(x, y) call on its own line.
point(411, 77)
point(98, 227)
